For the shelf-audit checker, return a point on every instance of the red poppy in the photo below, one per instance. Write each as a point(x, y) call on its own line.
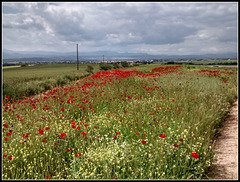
point(118, 133)
point(48, 176)
point(6, 139)
point(68, 149)
point(5, 125)
point(175, 145)
point(10, 157)
point(63, 135)
point(47, 128)
point(62, 109)
point(5, 155)
point(78, 154)
point(62, 116)
point(195, 155)
point(9, 134)
point(40, 131)
point(78, 127)
point(162, 135)
point(25, 136)
point(144, 142)
point(125, 111)
point(181, 140)
point(55, 143)
point(43, 140)
point(73, 126)
point(115, 137)
point(83, 133)
point(95, 126)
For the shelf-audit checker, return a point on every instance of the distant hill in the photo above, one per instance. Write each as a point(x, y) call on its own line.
point(8, 54)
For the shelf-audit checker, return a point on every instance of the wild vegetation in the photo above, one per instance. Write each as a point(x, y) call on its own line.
point(142, 123)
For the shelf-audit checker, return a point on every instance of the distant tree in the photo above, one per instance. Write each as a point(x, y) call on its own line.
point(90, 69)
point(105, 66)
point(124, 64)
point(115, 66)
point(24, 65)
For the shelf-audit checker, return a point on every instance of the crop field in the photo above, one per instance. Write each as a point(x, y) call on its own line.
point(31, 80)
point(146, 122)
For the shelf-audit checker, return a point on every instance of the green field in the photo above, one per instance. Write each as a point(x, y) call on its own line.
point(144, 122)
point(19, 82)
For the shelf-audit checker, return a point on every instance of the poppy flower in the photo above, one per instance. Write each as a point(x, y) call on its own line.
point(78, 154)
point(195, 155)
point(181, 140)
point(5, 155)
point(144, 142)
point(40, 131)
point(63, 135)
point(162, 135)
point(10, 157)
point(6, 139)
point(62, 109)
point(118, 133)
point(175, 145)
point(25, 136)
point(43, 140)
point(48, 176)
point(73, 126)
point(68, 149)
point(125, 111)
point(83, 133)
point(5, 125)
point(47, 128)
point(78, 128)
point(95, 126)
point(55, 143)
point(9, 134)
point(115, 137)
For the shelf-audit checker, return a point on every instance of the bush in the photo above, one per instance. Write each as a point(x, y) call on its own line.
point(105, 66)
point(116, 66)
point(90, 69)
point(124, 64)
point(24, 65)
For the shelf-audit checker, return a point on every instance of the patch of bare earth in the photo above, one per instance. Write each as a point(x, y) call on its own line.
point(226, 149)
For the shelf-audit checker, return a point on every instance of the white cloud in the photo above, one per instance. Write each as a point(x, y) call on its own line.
point(133, 27)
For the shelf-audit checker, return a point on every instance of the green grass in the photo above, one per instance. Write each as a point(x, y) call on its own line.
point(116, 120)
point(22, 82)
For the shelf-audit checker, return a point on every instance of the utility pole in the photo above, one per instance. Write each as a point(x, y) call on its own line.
point(77, 58)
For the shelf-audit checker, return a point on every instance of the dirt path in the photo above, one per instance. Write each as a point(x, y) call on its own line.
point(226, 148)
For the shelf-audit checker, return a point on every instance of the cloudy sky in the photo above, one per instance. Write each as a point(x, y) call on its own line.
point(154, 28)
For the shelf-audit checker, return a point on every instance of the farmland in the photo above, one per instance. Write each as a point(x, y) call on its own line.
point(146, 122)
point(31, 80)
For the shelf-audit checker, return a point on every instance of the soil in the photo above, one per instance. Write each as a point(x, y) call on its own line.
point(226, 149)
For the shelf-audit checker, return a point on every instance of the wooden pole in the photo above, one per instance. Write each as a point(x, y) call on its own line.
point(77, 58)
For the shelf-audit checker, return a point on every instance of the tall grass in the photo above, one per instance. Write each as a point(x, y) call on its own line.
point(119, 125)
point(23, 82)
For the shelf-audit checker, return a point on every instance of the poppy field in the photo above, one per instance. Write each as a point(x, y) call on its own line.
point(119, 124)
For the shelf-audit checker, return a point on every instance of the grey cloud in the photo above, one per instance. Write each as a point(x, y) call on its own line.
point(121, 25)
